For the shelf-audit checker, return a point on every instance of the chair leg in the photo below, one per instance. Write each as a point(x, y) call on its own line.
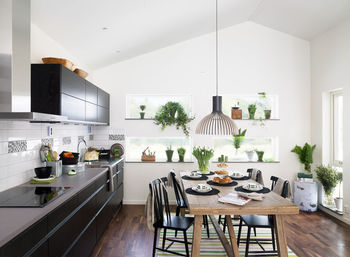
point(247, 242)
point(177, 210)
point(219, 220)
point(273, 239)
point(224, 228)
point(207, 224)
point(254, 231)
point(186, 244)
point(155, 242)
point(164, 237)
point(239, 232)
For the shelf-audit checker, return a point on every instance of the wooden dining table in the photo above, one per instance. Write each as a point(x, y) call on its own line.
point(199, 205)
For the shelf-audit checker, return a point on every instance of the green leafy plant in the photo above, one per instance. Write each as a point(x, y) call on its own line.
point(260, 155)
point(181, 151)
point(169, 154)
point(203, 156)
point(252, 110)
point(172, 113)
point(328, 177)
point(262, 94)
point(142, 107)
point(238, 138)
point(305, 155)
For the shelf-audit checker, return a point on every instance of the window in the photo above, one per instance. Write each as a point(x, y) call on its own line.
point(224, 145)
point(337, 128)
point(153, 103)
point(136, 145)
point(270, 102)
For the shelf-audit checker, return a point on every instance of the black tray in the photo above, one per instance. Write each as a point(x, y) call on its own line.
point(242, 178)
point(265, 190)
point(214, 191)
point(203, 177)
point(231, 184)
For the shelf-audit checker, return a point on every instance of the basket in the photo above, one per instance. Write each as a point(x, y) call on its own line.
point(69, 161)
point(52, 60)
point(81, 73)
point(148, 158)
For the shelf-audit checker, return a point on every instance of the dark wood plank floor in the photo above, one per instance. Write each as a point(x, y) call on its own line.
point(309, 235)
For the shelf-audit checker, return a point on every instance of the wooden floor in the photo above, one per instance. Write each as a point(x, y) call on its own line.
point(310, 235)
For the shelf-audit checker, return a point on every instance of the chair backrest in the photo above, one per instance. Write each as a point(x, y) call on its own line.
point(177, 189)
point(161, 200)
point(285, 189)
point(258, 174)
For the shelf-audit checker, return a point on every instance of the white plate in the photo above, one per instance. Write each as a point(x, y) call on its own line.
point(208, 189)
point(259, 187)
point(240, 176)
point(44, 179)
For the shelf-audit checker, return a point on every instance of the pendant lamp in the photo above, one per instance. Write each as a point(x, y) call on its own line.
point(216, 123)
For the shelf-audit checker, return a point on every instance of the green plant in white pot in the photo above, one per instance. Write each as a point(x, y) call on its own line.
point(339, 200)
point(329, 178)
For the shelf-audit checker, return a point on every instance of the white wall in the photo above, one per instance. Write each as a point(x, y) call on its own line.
point(42, 45)
point(330, 62)
point(253, 58)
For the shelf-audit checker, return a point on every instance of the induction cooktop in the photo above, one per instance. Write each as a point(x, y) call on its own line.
point(30, 197)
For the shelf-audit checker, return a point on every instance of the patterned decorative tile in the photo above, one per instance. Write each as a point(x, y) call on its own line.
point(66, 140)
point(46, 141)
point(17, 146)
point(117, 137)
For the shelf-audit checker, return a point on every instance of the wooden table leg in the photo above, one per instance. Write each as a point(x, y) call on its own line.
point(226, 244)
point(197, 234)
point(281, 236)
point(232, 235)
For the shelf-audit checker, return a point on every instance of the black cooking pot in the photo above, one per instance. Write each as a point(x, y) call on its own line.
point(43, 172)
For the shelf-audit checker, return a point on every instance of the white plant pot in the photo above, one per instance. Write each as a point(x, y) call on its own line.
point(250, 155)
point(339, 203)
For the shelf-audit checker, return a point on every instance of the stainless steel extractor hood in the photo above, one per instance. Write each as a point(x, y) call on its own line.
point(15, 64)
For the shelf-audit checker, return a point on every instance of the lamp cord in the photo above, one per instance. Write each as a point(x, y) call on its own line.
point(216, 47)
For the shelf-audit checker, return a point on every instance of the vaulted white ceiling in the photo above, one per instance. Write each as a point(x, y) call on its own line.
point(135, 27)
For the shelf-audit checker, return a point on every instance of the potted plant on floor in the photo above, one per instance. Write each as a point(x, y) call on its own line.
point(203, 156)
point(260, 155)
point(181, 151)
point(172, 113)
point(169, 154)
point(305, 157)
point(238, 138)
point(142, 113)
point(329, 178)
point(252, 110)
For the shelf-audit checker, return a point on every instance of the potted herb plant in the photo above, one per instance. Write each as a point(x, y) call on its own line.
point(181, 151)
point(172, 113)
point(252, 110)
point(169, 154)
point(305, 155)
point(238, 138)
point(267, 114)
point(329, 178)
point(339, 200)
point(142, 113)
point(203, 156)
point(260, 155)
point(250, 154)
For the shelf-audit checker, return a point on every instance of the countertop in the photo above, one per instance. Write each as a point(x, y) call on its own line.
point(13, 221)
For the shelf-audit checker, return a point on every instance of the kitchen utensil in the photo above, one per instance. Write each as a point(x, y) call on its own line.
point(253, 187)
point(52, 60)
point(202, 188)
point(43, 172)
point(91, 156)
point(56, 167)
point(79, 167)
point(69, 161)
point(117, 150)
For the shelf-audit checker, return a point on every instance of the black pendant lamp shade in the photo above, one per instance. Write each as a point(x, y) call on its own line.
point(216, 123)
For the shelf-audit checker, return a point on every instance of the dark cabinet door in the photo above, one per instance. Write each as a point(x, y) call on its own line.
point(103, 114)
point(86, 242)
point(25, 241)
point(61, 212)
point(91, 112)
point(91, 93)
point(72, 84)
point(103, 98)
point(72, 107)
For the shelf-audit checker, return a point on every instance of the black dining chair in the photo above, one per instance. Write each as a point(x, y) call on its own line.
point(181, 205)
point(261, 221)
point(249, 171)
point(164, 220)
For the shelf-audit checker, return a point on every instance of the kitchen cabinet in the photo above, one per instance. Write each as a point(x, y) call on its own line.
point(59, 91)
point(75, 226)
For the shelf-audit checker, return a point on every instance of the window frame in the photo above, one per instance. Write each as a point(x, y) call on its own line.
point(333, 95)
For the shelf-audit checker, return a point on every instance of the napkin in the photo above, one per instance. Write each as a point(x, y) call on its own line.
point(234, 198)
point(253, 196)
